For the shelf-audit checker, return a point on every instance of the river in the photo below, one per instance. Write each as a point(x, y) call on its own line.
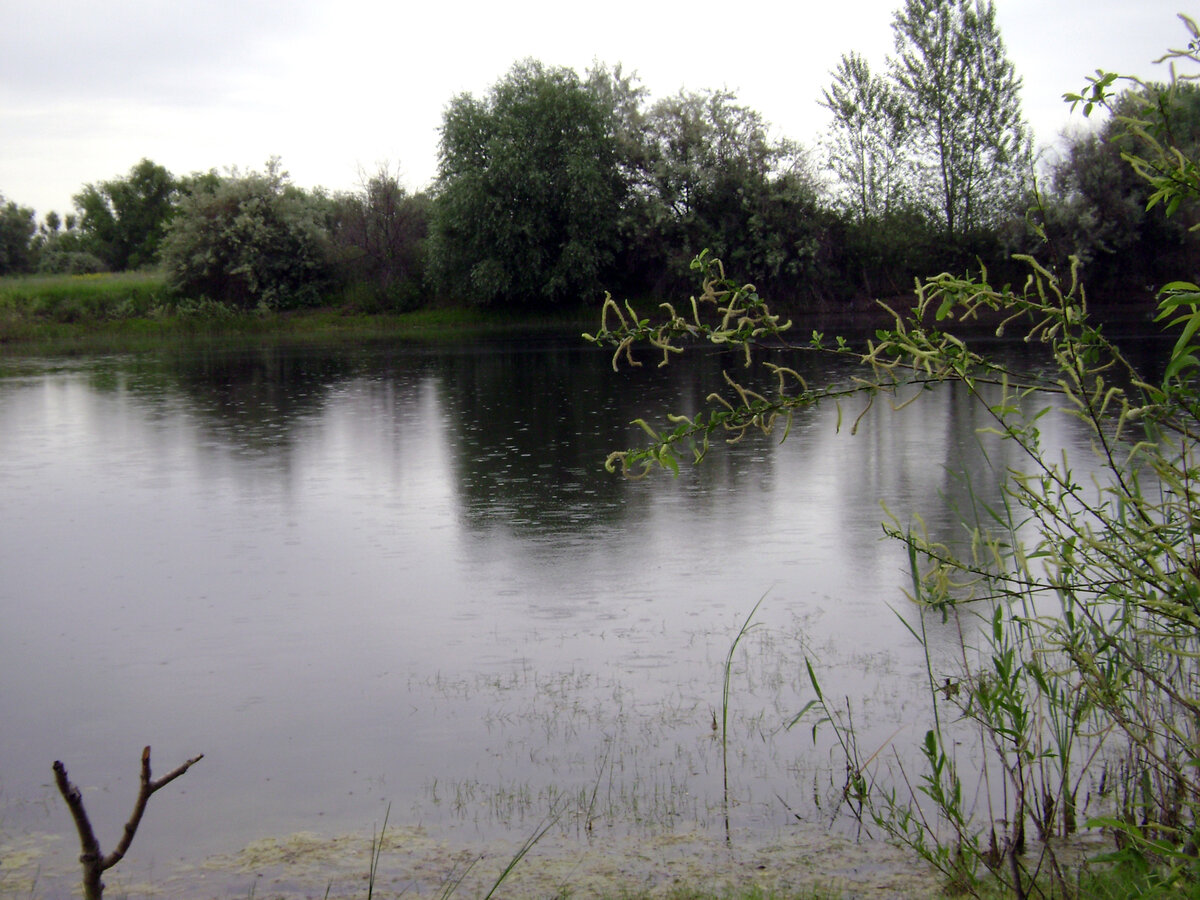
point(396, 579)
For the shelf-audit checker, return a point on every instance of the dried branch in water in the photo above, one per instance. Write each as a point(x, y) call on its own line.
point(93, 860)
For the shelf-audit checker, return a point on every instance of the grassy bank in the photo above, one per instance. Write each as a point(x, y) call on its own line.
point(131, 310)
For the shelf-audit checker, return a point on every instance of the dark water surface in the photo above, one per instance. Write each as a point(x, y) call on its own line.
point(399, 575)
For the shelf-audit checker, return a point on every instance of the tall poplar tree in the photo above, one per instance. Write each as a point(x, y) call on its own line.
point(961, 95)
point(868, 137)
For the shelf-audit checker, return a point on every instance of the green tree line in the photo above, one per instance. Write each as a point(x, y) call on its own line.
point(555, 185)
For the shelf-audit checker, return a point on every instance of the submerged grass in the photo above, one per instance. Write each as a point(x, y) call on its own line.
point(725, 696)
point(625, 826)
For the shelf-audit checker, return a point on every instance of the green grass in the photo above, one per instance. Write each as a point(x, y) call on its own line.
point(79, 298)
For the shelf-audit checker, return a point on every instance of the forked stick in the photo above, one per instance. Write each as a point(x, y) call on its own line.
point(94, 861)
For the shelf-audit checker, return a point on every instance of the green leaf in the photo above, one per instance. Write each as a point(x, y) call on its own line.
point(812, 677)
point(668, 461)
point(811, 704)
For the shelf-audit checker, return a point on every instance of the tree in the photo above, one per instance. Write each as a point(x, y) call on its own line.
point(622, 94)
point(16, 233)
point(379, 236)
point(715, 178)
point(888, 237)
point(866, 149)
point(122, 221)
point(528, 190)
point(251, 240)
point(636, 252)
point(960, 94)
point(60, 248)
point(1098, 210)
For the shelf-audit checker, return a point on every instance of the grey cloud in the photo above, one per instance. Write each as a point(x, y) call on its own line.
point(147, 50)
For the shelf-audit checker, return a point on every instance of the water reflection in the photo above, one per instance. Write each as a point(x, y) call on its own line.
point(400, 574)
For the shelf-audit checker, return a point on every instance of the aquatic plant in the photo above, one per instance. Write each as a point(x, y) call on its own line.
point(725, 698)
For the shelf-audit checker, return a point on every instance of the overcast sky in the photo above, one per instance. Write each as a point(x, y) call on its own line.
point(336, 88)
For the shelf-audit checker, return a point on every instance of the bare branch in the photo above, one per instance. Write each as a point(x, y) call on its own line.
point(94, 862)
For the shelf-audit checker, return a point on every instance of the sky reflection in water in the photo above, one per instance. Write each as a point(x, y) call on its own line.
point(401, 576)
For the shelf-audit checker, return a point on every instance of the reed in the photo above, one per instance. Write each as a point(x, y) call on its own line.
point(725, 698)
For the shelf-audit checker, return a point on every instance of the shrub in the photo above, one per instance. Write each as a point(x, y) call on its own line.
point(251, 241)
point(70, 262)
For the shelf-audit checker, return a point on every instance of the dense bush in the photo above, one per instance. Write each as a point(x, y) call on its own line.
point(1097, 206)
point(53, 261)
point(713, 178)
point(252, 241)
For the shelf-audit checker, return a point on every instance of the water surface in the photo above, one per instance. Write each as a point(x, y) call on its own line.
point(399, 576)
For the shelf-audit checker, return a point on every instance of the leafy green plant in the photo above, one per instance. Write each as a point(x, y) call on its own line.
point(1077, 599)
point(252, 241)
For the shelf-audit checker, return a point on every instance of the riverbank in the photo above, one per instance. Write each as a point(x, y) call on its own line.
point(806, 865)
point(136, 310)
point(128, 311)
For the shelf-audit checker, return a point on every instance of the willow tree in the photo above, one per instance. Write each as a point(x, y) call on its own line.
point(528, 190)
point(961, 94)
point(123, 220)
point(718, 180)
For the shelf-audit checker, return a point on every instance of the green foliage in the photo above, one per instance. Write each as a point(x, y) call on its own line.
point(1110, 188)
point(123, 221)
point(869, 133)
point(81, 298)
point(1086, 601)
point(253, 241)
point(61, 248)
point(1078, 600)
point(713, 178)
point(379, 236)
point(932, 157)
point(958, 94)
point(528, 190)
point(16, 232)
point(552, 183)
point(724, 313)
point(54, 260)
